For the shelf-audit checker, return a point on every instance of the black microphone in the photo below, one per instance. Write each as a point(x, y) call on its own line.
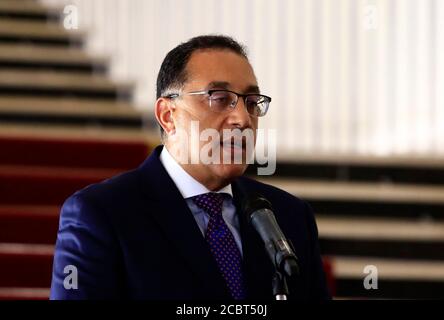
point(261, 217)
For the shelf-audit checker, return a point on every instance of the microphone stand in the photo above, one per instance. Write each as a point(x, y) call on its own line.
point(279, 282)
point(280, 288)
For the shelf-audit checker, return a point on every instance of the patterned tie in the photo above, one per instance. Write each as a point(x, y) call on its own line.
point(222, 243)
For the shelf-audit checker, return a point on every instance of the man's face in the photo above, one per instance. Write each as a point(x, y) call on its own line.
point(207, 70)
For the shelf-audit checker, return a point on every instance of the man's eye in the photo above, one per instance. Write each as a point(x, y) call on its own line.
point(219, 98)
point(252, 103)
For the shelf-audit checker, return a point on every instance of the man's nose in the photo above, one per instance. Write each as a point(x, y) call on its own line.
point(239, 116)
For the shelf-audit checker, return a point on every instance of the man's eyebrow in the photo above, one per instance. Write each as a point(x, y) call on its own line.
point(225, 85)
point(218, 84)
point(253, 89)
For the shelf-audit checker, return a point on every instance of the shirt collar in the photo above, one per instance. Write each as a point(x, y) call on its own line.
point(187, 185)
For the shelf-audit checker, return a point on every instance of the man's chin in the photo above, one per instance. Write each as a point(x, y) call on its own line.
point(230, 171)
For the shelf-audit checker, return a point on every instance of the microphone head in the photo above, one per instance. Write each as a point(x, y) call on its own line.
point(259, 213)
point(254, 202)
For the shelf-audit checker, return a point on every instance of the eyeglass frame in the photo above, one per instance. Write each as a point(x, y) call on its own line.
point(210, 91)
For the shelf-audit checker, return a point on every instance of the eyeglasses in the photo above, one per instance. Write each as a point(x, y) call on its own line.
point(226, 100)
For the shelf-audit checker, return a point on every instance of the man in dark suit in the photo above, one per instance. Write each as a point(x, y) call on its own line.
point(174, 228)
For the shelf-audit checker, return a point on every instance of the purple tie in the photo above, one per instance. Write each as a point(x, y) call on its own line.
point(222, 244)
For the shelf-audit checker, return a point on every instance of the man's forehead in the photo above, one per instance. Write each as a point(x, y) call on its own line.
point(221, 69)
point(227, 85)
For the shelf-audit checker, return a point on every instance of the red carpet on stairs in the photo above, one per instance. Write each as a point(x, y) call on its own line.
point(43, 185)
point(13, 294)
point(24, 265)
point(36, 177)
point(77, 153)
point(29, 224)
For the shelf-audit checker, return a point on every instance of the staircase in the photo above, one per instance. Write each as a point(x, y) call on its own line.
point(47, 78)
point(63, 125)
point(386, 212)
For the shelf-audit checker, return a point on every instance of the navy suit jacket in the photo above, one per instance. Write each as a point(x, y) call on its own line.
point(133, 237)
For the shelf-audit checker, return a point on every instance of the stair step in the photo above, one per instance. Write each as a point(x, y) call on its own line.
point(26, 185)
point(25, 9)
point(24, 294)
point(402, 279)
point(29, 224)
point(406, 161)
point(356, 168)
point(40, 110)
point(70, 106)
point(367, 199)
point(27, 56)
point(389, 238)
point(29, 31)
point(378, 192)
point(369, 228)
point(382, 238)
point(56, 84)
point(72, 152)
point(25, 265)
point(393, 249)
point(146, 136)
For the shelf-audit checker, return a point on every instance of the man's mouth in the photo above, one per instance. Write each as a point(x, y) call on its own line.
point(235, 144)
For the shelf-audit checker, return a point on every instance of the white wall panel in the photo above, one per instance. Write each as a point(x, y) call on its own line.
point(346, 76)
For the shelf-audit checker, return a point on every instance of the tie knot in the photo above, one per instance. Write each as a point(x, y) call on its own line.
point(210, 202)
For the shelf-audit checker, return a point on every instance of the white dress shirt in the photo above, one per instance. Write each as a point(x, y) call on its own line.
point(190, 187)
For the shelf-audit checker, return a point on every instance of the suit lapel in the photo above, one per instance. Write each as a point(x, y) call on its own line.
point(165, 203)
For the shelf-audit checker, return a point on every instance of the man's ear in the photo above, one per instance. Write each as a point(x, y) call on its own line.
point(163, 110)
